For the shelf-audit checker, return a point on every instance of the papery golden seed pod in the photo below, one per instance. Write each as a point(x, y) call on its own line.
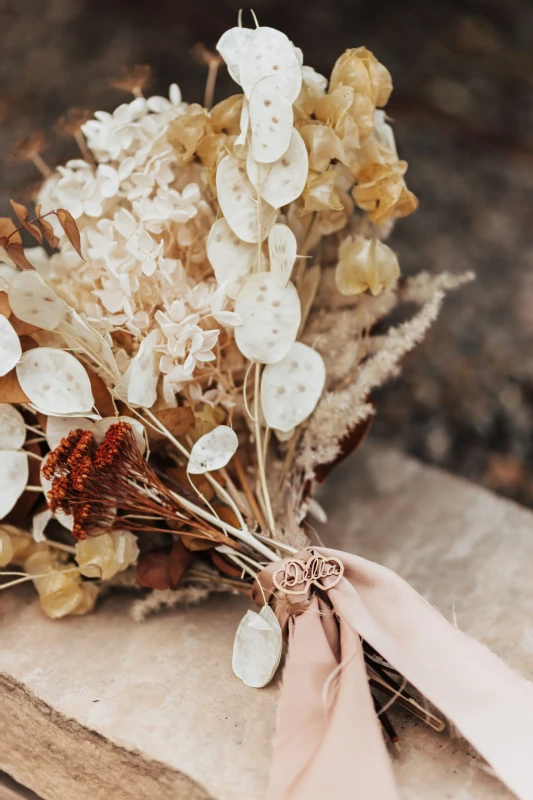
point(365, 264)
point(350, 70)
point(360, 69)
point(381, 191)
point(333, 107)
point(225, 117)
point(323, 146)
point(185, 133)
point(60, 591)
point(320, 193)
point(380, 77)
point(103, 556)
point(88, 599)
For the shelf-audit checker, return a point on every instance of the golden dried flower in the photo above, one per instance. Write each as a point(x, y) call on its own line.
point(320, 193)
point(360, 69)
point(106, 554)
point(381, 191)
point(60, 590)
point(186, 132)
point(323, 146)
point(365, 264)
point(333, 107)
point(225, 117)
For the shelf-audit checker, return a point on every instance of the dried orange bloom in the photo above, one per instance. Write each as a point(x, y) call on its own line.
point(381, 191)
point(365, 264)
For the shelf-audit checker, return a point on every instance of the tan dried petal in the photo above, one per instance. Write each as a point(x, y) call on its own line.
point(350, 70)
point(360, 69)
point(225, 117)
point(333, 107)
point(320, 193)
point(365, 264)
point(186, 132)
point(323, 146)
point(381, 191)
point(380, 77)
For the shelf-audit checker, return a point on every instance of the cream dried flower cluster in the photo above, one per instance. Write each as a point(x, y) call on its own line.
point(198, 346)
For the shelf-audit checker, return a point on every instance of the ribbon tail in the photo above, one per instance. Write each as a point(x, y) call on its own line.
point(328, 738)
point(490, 705)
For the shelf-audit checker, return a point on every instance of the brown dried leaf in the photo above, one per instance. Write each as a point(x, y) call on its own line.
point(22, 215)
point(348, 444)
point(23, 328)
point(8, 228)
point(49, 234)
point(179, 561)
point(27, 500)
point(196, 543)
point(163, 569)
point(152, 570)
point(5, 309)
point(177, 421)
point(102, 397)
point(10, 391)
point(16, 252)
point(68, 223)
point(224, 565)
point(181, 476)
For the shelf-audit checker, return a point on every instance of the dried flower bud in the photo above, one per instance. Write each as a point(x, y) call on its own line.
point(133, 80)
point(365, 264)
point(26, 148)
point(104, 555)
point(382, 192)
point(71, 122)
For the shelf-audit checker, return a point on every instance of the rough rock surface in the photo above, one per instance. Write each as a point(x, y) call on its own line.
point(101, 707)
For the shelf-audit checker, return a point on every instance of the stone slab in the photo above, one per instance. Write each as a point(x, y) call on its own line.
point(102, 707)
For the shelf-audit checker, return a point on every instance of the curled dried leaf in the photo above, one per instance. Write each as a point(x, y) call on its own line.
point(68, 223)
point(381, 191)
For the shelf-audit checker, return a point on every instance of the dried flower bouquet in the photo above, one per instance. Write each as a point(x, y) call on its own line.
point(198, 344)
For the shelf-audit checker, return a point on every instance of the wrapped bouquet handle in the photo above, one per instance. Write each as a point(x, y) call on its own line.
point(328, 736)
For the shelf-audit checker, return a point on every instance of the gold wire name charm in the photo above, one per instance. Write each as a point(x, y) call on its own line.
point(296, 576)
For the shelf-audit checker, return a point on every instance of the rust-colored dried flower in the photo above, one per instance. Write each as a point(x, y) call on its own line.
point(99, 484)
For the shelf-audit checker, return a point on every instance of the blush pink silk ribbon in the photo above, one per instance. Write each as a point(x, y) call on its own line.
point(328, 740)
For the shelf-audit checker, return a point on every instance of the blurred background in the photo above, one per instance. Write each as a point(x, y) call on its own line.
point(463, 112)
